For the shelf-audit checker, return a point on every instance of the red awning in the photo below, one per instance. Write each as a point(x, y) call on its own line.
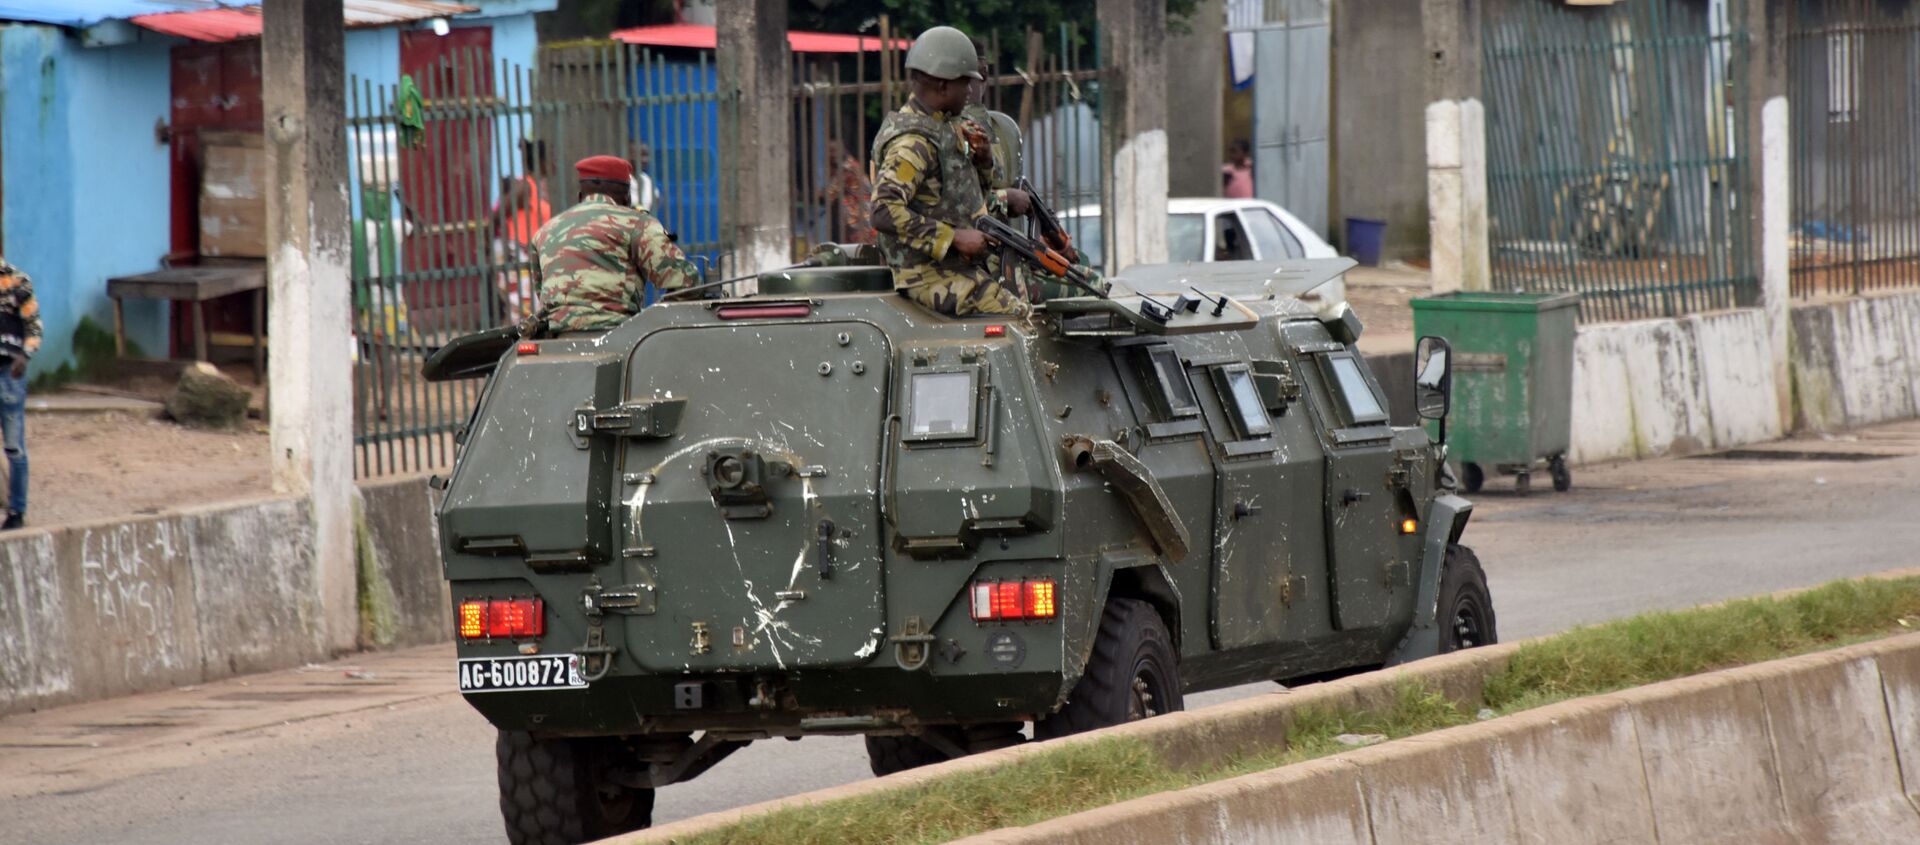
point(232, 24)
point(701, 37)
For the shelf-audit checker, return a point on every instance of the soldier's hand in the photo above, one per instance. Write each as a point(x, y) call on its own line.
point(1018, 202)
point(969, 242)
point(20, 364)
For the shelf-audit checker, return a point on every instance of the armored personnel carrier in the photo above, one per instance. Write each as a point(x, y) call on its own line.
point(822, 509)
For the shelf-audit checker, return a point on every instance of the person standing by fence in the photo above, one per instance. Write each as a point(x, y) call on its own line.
point(597, 257)
point(19, 339)
point(1236, 176)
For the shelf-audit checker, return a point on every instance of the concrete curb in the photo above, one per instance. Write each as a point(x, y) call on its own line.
point(1213, 734)
point(1805, 749)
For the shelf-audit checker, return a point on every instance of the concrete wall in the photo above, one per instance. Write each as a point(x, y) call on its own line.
point(1379, 122)
point(86, 180)
point(1659, 387)
point(113, 608)
point(1808, 749)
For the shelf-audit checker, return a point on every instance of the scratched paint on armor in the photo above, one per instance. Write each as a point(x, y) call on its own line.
point(596, 259)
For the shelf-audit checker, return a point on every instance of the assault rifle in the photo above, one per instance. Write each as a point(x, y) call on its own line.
point(1051, 232)
point(1036, 254)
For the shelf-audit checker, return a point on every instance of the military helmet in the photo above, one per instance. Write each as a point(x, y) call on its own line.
point(944, 53)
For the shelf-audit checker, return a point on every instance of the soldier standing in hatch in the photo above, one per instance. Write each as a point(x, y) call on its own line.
point(597, 257)
point(927, 188)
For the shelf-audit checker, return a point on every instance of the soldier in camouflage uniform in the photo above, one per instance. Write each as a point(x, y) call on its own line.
point(597, 257)
point(999, 153)
point(927, 188)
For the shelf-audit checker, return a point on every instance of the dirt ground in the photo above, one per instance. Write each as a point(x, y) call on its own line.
point(91, 466)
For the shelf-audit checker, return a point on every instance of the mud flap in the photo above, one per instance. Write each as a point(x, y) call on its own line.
point(1446, 518)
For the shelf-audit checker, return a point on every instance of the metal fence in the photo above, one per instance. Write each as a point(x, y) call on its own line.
point(1854, 68)
point(1052, 91)
point(450, 185)
point(1611, 166)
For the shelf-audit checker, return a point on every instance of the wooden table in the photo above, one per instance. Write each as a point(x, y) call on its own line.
point(195, 285)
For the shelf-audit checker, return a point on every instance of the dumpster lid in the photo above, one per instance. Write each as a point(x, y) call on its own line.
point(1496, 301)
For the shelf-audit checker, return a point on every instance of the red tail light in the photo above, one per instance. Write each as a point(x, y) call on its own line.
point(505, 618)
point(1013, 601)
point(526, 347)
point(996, 331)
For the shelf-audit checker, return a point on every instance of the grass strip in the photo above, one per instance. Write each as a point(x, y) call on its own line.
point(1644, 649)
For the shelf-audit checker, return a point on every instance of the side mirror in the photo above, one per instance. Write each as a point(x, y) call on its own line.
point(1433, 380)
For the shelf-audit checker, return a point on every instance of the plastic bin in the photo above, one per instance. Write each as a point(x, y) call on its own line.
point(1512, 383)
point(1365, 239)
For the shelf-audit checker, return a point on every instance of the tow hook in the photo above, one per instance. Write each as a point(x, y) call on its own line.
point(596, 656)
point(910, 646)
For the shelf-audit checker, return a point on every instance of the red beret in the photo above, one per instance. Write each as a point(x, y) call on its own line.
point(607, 168)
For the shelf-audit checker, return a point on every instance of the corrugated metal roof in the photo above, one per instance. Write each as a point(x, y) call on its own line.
point(89, 12)
point(232, 24)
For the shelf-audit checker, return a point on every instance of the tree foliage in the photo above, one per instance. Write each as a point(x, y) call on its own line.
point(979, 18)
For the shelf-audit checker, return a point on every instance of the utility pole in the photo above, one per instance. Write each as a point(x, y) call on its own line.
point(309, 314)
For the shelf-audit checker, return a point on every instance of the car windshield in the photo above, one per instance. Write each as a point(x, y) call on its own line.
point(1186, 237)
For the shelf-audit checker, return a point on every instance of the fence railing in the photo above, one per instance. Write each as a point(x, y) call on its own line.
point(1052, 92)
point(1611, 169)
point(1854, 71)
point(455, 166)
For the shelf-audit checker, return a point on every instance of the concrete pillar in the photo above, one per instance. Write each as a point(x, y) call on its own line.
point(1456, 146)
point(1133, 115)
point(754, 62)
point(309, 314)
point(1195, 149)
point(1765, 141)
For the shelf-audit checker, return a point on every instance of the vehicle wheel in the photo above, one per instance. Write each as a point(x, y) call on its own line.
point(1562, 477)
point(889, 754)
point(1133, 674)
point(1472, 477)
point(1466, 607)
point(553, 791)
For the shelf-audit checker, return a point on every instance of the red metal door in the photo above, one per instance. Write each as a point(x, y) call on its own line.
point(444, 182)
point(215, 87)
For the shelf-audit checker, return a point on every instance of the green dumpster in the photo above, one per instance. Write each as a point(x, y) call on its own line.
point(1512, 383)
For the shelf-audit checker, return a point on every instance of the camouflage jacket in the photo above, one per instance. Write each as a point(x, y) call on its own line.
point(1004, 136)
point(19, 313)
point(925, 187)
point(595, 260)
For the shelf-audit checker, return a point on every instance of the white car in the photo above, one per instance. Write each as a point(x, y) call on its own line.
point(1215, 229)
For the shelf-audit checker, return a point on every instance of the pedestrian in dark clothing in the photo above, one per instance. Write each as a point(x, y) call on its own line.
point(19, 339)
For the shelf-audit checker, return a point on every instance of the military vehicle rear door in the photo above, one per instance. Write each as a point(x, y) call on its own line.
point(752, 537)
point(1364, 552)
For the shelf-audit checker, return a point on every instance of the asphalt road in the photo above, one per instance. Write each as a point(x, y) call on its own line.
point(376, 750)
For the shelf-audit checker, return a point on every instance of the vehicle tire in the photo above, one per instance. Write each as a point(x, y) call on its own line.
point(1466, 606)
point(1562, 477)
point(1472, 477)
point(552, 791)
point(1134, 674)
point(889, 754)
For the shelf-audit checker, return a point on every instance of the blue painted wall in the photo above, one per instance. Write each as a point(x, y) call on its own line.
point(86, 181)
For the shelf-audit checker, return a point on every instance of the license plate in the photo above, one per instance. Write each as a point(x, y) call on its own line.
point(513, 674)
